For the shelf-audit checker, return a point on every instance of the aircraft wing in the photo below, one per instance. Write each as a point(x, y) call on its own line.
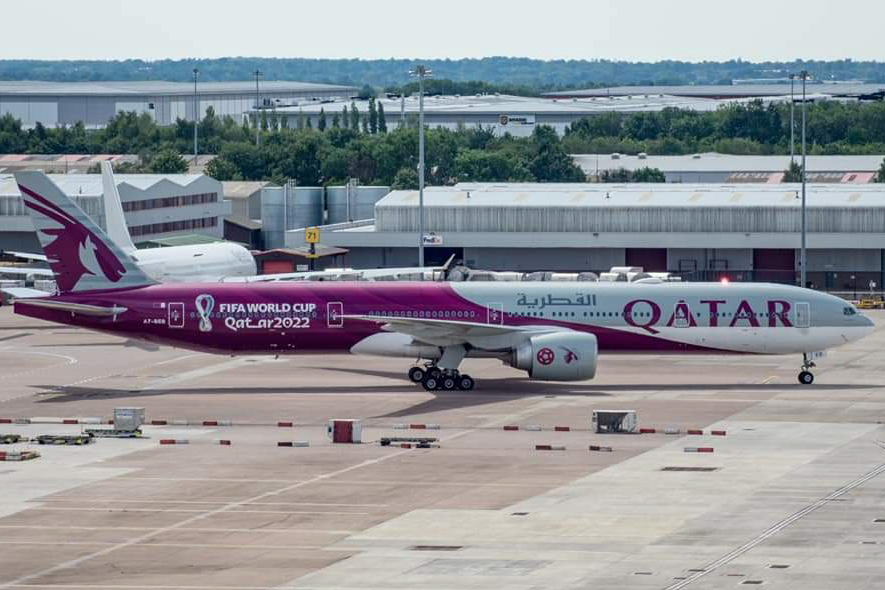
point(452, 332)
point(20, 270)
point(23, 292)
point(25, 255)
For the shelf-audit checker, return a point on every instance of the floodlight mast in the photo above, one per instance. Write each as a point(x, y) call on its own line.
point(804, 75)
point(421, 73)
point(257, 100)
point(196, 115)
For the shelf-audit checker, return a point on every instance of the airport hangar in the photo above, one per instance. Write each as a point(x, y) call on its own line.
point(157, 207)
point(816, 90)
point(516, 115)
point(730, 169)
point(703, 232)
point(94, 103)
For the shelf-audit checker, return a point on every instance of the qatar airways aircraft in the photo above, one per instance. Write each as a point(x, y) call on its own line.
point(553, 331)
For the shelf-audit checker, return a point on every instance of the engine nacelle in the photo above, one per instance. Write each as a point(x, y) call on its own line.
point(563, 356)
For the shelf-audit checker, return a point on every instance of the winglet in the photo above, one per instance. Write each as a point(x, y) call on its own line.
point(80, 254)
point(113, 210)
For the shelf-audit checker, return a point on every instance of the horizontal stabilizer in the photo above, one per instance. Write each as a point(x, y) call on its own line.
point(23, 292)
point(76, 308)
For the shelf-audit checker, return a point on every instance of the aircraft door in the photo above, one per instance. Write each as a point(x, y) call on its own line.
point(681, 315)
point(495, 314)
point(175, 317)
point(803, 314)
point(335, 314)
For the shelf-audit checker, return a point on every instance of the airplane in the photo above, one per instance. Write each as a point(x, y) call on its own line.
point(552, 331)
point(214, 262)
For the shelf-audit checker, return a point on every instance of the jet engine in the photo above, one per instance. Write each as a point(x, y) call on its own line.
point(562, 356)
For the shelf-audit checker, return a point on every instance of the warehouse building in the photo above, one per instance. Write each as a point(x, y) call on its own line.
point(516, 115)
point(94, 103)
point(814, 90)
point(729, 169)
point(702, 232)
point(156, 206)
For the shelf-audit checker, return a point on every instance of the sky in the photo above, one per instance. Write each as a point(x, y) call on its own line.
point(630, 30)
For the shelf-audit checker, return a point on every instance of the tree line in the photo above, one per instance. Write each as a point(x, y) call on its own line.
point(535, 73)
point(361, 144)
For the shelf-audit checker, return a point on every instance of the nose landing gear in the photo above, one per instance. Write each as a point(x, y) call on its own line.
point(806, 377)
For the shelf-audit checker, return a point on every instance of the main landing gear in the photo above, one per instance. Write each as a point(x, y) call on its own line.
point(805, 376)
point(432, 378)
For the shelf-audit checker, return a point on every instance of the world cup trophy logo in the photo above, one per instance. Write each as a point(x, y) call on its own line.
point(205, 303)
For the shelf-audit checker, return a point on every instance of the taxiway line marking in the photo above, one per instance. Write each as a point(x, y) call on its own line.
point(195, 518)
point(776, 528)
point(190, 530)
point(179, 545)
point(194, 510)
point(339, 482)
point(118, 501)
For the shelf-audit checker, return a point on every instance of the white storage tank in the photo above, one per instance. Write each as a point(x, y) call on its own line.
point(361, 206)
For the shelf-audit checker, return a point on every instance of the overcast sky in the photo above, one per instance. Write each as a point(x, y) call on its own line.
point(633, 30)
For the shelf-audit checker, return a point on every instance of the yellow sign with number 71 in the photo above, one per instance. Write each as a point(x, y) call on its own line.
point(312, 235)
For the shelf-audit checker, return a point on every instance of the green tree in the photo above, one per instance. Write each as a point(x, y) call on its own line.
point(373, 117)
point(354, 117)
point(336, 121)
point(365, 124)
point(307, 123)
point(549, 161)
point(299, 123)
point(284, 121)
point(222, 169)
point(617, 175)
point(880, 177)
point(263, 120)
point(793, 173)
point(490, 166)
point(382, 120)
point(167, 161)
point(345, 117)
point(405, 179)
point(321, 121)
point(647, 174)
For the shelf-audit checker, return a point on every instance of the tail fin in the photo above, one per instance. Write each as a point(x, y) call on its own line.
point(115, 222)
point(79, 253)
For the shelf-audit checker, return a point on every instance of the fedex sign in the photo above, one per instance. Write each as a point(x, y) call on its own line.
point(646, 314)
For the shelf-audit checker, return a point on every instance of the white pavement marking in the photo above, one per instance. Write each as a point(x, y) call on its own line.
point(190, 530)
point(167, 382)
point(68, 360)
point(233, 510)
point(179, 545)
point(118, 501)
point(775, 529)
point(196, 518)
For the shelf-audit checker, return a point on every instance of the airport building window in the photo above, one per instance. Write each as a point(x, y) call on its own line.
point(173, 226)
point(166, 202)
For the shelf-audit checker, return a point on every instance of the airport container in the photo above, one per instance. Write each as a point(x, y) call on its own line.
point(128, 418)
point(612, 421)
point(345, 431)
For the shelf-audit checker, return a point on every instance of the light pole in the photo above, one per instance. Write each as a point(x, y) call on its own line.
point(804, 75)
point(792, 119)
point(257, 99)
point(421, 72)
point(196, 115)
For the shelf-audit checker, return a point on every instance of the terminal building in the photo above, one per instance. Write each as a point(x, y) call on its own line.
point(94, 103)
point(516, 115)
point(814, 90)
point(157, 207)
point(725, 168)
point(701, 231)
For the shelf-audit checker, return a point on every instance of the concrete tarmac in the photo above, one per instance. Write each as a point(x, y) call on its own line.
point(793, 496)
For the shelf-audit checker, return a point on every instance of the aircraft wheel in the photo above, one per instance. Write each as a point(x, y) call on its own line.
point(430, 383)
point(806, 378)
point(466, 383)
point(435, 372)
point(449, 383)
point(416, 374)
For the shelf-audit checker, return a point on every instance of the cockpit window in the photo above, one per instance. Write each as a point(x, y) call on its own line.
point(849, 311)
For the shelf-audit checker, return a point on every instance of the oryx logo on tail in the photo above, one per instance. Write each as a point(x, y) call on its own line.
point(80, 255)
